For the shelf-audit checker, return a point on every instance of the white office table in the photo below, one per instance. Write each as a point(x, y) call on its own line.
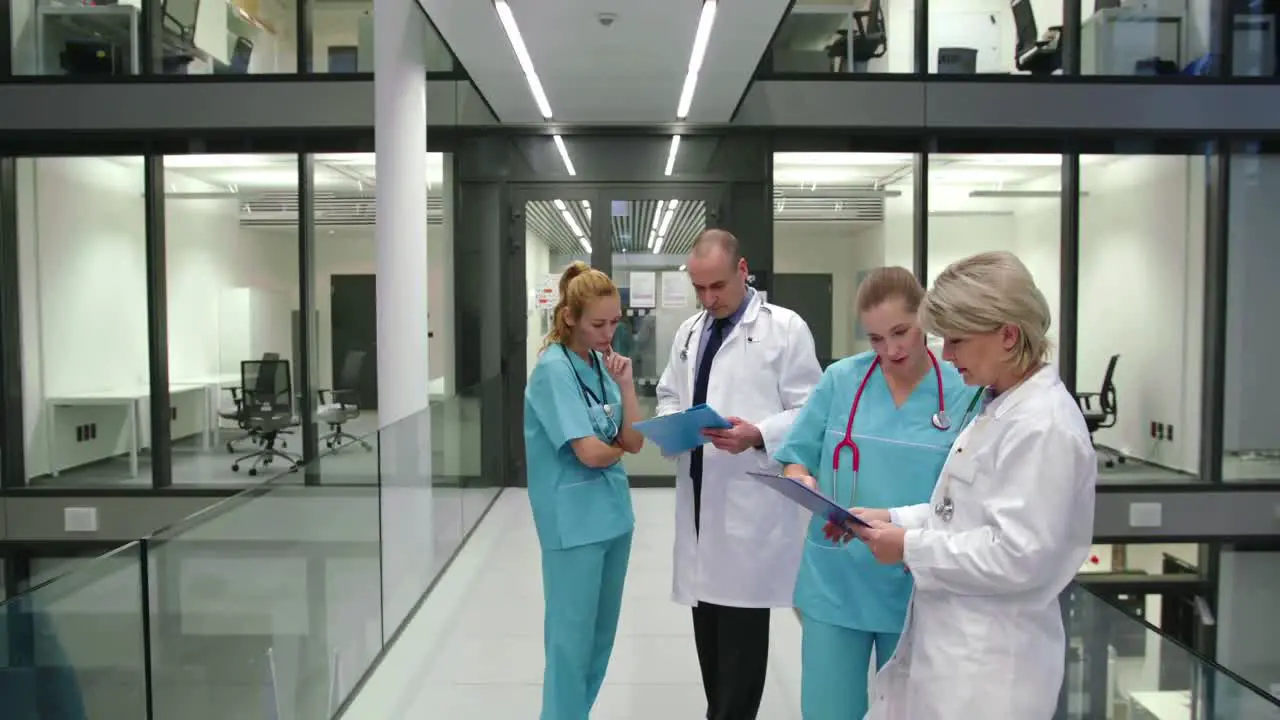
point(130, 399)
point(1162, 704)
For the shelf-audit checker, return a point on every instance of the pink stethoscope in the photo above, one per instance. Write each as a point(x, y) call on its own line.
point(940, 419)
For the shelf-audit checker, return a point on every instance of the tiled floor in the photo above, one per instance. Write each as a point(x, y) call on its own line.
point(474, 651)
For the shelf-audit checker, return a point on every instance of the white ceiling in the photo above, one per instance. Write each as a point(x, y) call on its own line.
point(250, 173)
point(629, 72)
point(885, 169)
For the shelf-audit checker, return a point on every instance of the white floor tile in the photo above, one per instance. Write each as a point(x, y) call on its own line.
point(475, 648)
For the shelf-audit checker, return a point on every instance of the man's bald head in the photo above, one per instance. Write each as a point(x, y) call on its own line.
point(718, 272)
point(711, 242)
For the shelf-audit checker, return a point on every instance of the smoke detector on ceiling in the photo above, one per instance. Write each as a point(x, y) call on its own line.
point(606, 19)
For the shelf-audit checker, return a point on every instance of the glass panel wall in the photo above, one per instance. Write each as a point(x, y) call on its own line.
point(231, 236)
point(981, 203)
point(1141, 312)
point(1251, 404)
point(1117, 37)
point(83, 279)
point(92, 39)
point(836, 217)
point(649, 243)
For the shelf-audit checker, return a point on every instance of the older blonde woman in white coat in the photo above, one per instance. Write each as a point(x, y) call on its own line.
point(1010, 521)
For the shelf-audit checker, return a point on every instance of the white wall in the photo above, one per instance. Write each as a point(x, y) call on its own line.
point(1141, 293)
point(841, 249)
point(84, 305)
point(1252, 402)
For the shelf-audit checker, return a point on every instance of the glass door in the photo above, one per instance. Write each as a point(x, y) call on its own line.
point(649, 240)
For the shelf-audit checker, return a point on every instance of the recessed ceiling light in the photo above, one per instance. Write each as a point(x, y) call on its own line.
point(700, 40)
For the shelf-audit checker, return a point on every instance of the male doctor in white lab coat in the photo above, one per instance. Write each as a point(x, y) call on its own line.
point(737, 542)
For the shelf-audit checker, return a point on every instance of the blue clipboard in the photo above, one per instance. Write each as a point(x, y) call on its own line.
point(681, 432)
point(815, 502)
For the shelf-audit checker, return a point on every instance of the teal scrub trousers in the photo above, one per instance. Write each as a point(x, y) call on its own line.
point(582, 589)
point(835, 664)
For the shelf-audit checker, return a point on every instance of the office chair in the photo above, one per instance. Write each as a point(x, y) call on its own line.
point(1103, 416)
point(269, 410)
point(238, 414)
point(342, 404)
point(1033, 53)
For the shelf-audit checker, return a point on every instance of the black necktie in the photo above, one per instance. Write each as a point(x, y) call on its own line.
point(700, 396)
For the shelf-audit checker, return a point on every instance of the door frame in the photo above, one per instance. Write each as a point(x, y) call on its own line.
point(515, 292)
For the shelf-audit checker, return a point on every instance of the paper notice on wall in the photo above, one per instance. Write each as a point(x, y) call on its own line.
point(675, 289)
point(547, 294)
point(644, 289)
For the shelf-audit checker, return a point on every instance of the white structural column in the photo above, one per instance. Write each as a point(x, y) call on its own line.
point(406, 519)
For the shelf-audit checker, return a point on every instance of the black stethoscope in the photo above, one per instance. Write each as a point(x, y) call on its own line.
point(940, 420)
point(587, 393)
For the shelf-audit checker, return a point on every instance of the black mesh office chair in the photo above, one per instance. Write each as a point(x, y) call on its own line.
point(237, 413)
point(268, 410)
point(1104, 415)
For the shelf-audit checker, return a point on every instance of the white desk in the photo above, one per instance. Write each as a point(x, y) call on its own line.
point(213, 385)
point(130, 399)
point(1162, 704)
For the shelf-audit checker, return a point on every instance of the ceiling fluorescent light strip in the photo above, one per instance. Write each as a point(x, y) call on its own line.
point(657, 220)
point(700, 41)
point(522, 56)
point(564, 155)
point(671, 154)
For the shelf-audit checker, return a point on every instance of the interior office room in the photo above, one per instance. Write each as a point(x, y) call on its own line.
point(1117, 37)
point(1141, 279)
point(232, 239)
point(199, 37)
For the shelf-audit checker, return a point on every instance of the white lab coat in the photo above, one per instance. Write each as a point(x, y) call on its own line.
point(984, 635)
point(747, 553)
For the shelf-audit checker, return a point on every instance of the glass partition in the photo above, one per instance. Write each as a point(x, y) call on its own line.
point(271, 603)
point(1023, 37)
point(649, 243)
point(74, 646)
point(1120, 667)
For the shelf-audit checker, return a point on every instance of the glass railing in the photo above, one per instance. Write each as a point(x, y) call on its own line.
point(270, 604)
point(1121, 668)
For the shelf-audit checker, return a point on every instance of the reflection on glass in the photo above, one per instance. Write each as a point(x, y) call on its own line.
point(83, 277)
point(76, 38)
point(1142, 235)
point(1117, 666)
point(649, 243)
point(1251, 427)
point(74, 648)
point(831, 38)
point(231, 38)
point(837, 216)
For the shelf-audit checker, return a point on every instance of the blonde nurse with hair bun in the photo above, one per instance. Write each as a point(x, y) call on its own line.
point(578, 408)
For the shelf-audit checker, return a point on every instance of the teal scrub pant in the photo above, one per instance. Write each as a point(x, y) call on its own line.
point(835, 663)
point(582, 588)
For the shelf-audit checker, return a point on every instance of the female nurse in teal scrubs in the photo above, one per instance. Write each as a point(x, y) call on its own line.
point(578, 408)
point(884, 453)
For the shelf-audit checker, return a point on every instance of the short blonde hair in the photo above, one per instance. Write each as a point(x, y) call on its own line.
point(983, 293)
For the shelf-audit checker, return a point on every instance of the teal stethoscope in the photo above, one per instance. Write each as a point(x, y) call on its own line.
point(610, 431)
point(940, 420)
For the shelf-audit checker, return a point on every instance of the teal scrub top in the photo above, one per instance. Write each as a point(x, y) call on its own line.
point(902, 454)
point(573, 504)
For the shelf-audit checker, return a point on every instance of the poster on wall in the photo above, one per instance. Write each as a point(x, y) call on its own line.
point(547, 294)
point(675, 289)
point(644, 289)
